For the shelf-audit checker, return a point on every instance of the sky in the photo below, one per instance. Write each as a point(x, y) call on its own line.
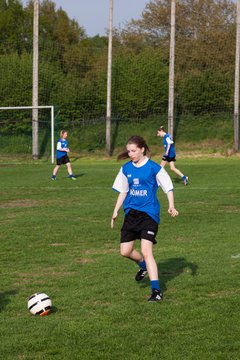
point(93, 15)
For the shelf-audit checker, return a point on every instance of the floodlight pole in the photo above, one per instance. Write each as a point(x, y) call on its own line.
point(236, 90)
point(171, 70)
point(35, 151)
point(109, 80)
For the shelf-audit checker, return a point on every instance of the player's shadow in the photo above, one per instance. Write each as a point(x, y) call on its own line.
point(5, 298)
point(177, 180)
point(79, 175)
point(170, 269)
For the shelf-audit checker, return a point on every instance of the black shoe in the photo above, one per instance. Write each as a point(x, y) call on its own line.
point(156, 296)
point(141, 274)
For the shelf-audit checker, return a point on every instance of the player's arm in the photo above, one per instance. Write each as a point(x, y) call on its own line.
point(164, 180)
point(168, 148)
point(171, 209)
point(120, 200)
point(169, 142)
point(59, 147)
point(121, 186)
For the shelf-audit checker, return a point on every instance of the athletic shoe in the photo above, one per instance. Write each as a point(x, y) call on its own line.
point(156, 296)
point(185, 180)
point(72, 177)
point(53, 177)
point(141, 274)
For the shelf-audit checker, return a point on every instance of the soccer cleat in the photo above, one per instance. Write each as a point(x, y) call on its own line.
point(185, 180)
point(141, 274)
point(53, 177)
point(72, 177)
point(156, 296)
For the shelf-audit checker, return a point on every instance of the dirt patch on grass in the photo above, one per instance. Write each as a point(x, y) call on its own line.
point(42, 273)
point(229, 209)
point(85, 261)
point(58, 244)
point(223, 293)
point(100, 251)
point(20, 203)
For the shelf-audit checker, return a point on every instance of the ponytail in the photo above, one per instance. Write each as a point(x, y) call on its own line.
point(139, 142)
point(161, 128)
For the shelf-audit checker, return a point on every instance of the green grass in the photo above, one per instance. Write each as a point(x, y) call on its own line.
point(56, 238)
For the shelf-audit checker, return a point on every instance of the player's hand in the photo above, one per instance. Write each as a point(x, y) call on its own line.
point(173, 212)
point(67, 150)
point(113, 219)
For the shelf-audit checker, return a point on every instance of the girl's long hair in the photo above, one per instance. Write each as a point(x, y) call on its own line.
point(139, 142)
point(161, 128)
point(62, 132)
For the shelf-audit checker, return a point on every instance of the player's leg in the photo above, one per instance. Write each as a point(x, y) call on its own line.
point(55, 171)
point(127, 250)
point(147, 251)
point(163, 163)
point(178, 172)
point(174, 169)
point(69, 170)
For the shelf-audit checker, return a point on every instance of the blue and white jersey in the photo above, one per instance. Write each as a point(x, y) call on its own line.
point(141, 184)
point(61, 144)
point(168, 141)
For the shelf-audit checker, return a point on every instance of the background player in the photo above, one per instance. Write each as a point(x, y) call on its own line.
point(137, 183)
point(170, 154)
point(62, 155)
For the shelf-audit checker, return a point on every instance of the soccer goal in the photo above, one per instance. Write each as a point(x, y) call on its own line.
point(51, 107)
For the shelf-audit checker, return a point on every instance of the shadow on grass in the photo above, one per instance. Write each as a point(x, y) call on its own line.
point(54, 309)
point(170, 269)
point(5, 298)
point(78, 175)
point(177, 180)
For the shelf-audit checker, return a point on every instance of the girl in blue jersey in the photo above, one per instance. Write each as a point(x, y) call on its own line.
point(62, 155)
point(137, 183)
point(170, 154)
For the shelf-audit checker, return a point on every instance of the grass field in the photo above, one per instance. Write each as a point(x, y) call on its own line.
point(56, 238)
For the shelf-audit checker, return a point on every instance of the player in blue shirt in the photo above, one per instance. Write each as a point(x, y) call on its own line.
point(170, 154)
point(137, 183)
point(62, 156)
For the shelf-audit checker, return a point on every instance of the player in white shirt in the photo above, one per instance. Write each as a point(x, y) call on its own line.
point(137, 183)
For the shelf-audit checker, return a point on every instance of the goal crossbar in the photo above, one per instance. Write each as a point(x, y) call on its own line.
point(51, 107)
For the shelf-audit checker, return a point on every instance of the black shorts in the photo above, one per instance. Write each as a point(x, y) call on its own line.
point(168, 158)
point(138, 225)
point(63, 160)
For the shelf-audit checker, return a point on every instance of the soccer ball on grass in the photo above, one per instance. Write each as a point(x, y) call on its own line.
point(39, 304)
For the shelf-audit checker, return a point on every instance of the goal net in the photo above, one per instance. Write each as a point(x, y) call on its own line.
point(16, 133)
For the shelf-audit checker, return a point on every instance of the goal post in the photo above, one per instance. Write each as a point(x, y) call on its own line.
point(51, 107)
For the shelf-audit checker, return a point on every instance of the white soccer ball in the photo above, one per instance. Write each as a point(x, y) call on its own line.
point(39, 304)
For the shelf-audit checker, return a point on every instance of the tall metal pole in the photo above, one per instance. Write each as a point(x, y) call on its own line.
point(109, 80)
point(236, 90)
point(35, 152)
point(171, 69)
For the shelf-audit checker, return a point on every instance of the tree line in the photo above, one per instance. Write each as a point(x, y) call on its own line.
point(73, 66)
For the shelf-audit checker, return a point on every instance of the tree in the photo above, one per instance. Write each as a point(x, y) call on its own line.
point(205, 40)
